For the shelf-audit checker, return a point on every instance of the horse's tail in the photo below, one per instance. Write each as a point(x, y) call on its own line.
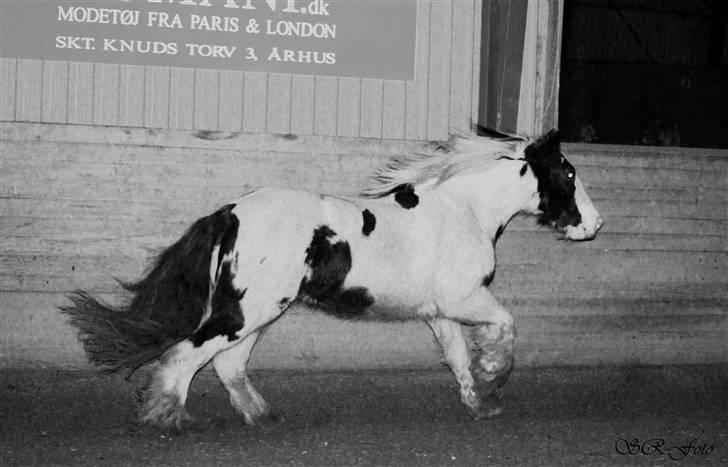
point(168, 304)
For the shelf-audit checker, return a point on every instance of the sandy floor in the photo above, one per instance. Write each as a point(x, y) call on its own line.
point(573, 416)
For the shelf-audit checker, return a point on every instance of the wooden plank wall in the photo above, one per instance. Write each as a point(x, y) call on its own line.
point(439, 100)
point(82, 205)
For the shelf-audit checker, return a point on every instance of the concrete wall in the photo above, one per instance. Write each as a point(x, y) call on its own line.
point(83, 205)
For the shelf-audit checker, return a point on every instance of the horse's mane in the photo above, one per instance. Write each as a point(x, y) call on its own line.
point(459, 154)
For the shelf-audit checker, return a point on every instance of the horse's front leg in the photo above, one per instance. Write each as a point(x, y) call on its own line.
point(457, 355)
point(493, 334)
point(493, 358)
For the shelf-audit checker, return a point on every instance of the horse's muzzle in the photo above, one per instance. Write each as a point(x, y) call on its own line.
point(583, 232)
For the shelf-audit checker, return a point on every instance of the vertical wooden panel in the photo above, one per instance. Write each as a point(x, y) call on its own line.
point(106, 94)
point(302, 104)
point(255, 102)
point(8, 68)
point(29, 90)
point(394, 101)
point(461, 66)
point(527, 111)
point(438, 101)
point(279, 103)
point(81, 93)
point(131, 95)
point(372, 93)
point(182, 98)
point(539, 78)
point(503, 34)
point(207, 88)
point(478, 47)
point(55, 92)
point(553, 67)
point(416, 100)
point(326, 108)
point(156, 97)
point(348, 107)
point(542, 47)
point(230, 115)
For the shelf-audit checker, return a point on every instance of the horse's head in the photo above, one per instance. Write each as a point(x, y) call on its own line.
point(562, 201)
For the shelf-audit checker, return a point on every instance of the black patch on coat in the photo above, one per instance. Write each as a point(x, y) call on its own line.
point(523, 170)
point(167, 304)
point(556, 181)
point(329, 263)
point(491, 275)
point(370, 222)
point(405, 195)
point(226, 318)
point(227, 243)
point(498, 233)
point(352, 303)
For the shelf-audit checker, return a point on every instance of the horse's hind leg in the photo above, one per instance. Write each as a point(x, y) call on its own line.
point(455, 350)
point(163, 401)
point(231, 367)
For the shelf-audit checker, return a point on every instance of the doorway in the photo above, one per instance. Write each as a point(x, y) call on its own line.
point(645, 73)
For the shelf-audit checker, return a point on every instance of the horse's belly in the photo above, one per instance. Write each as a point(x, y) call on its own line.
point(387, 308)
point(393, 297)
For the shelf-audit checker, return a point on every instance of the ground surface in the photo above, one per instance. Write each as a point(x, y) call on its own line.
point(574, 416)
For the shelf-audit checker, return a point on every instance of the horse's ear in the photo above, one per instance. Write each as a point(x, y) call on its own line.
point(545, 147)
point(553, 137)
point(553, 141)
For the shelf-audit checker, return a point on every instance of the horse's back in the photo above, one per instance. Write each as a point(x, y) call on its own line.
point(273, 201)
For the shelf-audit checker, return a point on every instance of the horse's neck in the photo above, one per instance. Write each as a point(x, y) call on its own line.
point(495, 196)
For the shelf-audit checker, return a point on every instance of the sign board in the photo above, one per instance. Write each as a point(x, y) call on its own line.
point(356, 38)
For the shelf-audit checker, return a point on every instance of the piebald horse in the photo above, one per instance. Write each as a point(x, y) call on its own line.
point(419, 244)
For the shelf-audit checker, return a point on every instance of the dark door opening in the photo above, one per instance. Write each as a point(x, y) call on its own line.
point(645, 72)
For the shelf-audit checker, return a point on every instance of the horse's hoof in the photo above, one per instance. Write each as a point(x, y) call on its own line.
point(491, 361)
point(493, 412)
point(480, 408)
point(484, 412)
point(164, 411)
point(488, 383)
point(493, 374)
point(269, 420)
point(177, 421)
